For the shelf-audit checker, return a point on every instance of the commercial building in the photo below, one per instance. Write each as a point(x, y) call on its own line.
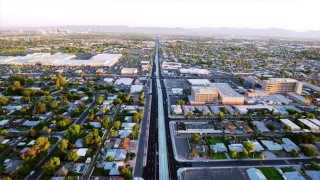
point(315, 121)
point(107, 60)
point(255, 93)
point(136, 89)
point(227, 95)
point(199, 82)
point(299, 99)
point(282, 85)
point(176, 109)
point(309, 124)
point(243, 109)
point(289, 123)
point(195, 71)
point(204, 94)
point(129, 71)
point(171, 65)
point(252, 82)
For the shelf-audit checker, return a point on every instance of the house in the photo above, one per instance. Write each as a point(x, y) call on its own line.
point(82, 152)
point(293, 175)
point(243, 125)
point(127, 126)
point(229, 126)
point(79, 143)
point(125, 144)
point(61, 172)
point(219, 147)
point(271, 146)
point(30, 123)
point(95, 124)
point(236, 147)
point(13, 166)
point(113, 167)
point(288, 145)
point(128, 119)
point(124, 133)
point(255, 174)
point(117, 154)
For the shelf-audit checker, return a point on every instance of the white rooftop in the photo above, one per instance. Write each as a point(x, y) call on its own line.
point(124, 81)
point(255, 174)
point(199, 82)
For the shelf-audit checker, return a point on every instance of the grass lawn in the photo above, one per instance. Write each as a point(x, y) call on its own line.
point(22, 128)
point(220, 156)
point(212, 141)
point(53, 140)
point(271, 173)
point(99, 172)
point(287, 169)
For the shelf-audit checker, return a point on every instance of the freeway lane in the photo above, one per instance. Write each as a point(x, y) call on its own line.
point(151, 169)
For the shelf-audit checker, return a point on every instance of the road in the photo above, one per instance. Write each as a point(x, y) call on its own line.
point(150, 171)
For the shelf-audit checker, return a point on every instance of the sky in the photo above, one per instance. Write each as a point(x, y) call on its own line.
point(298, 15)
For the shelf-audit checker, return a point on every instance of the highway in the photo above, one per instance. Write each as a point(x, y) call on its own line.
point(150, 171)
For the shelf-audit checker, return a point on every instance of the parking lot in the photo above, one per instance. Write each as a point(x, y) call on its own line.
point(213, 174)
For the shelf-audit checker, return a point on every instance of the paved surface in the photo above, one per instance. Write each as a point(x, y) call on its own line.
point(212, 174)
point(150, 171)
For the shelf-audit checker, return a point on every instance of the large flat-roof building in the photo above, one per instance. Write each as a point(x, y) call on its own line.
point(129, 71)
point(299, 99)
point(252, 82)
point(309, 124)
point(199, 82)
point(289, 123)
point(171, 65)
point(282, 85)
point(227, 95)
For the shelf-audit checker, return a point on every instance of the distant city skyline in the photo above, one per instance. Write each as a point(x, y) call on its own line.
point(297, 15)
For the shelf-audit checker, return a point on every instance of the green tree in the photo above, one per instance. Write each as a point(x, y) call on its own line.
point(50, 166)
point(42, 144)
point(193, 152)
point(195, 138)
point(74, 132)
point(41, 108)
point(72, 156)
point(100, 100)
point(221, 116)
point(93, 139)
point(110, 159)
point(245, 152)
point(294, 153)
point(3, 132)
point(116, 125)
point(234, 154)
point(314, 165)
point(4, 101)
point(249, 146)
point(105, 123)
point(33, 132)
point(63, 145)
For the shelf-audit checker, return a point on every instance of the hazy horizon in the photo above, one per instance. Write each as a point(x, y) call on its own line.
point(296, 15)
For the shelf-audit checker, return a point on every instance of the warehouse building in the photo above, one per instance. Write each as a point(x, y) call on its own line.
point(289, 123)
point(299, 99)
point(129, 71)
point(171, 65)
point(227, 95)
point(199, 82)
point(309, 124)
point(282, 85)
point(252, 82)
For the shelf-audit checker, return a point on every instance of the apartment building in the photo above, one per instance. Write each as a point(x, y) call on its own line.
point(282, 85)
